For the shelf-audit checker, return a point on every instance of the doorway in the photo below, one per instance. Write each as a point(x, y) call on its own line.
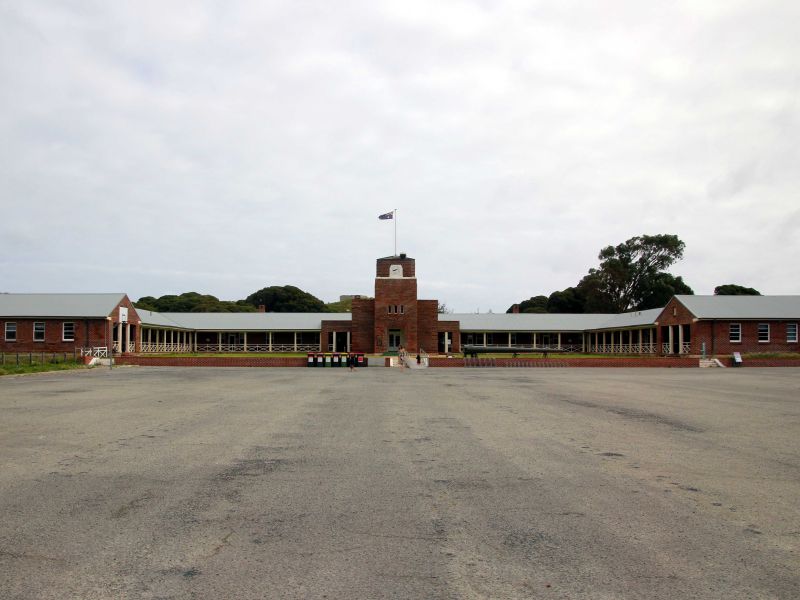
point(395, 339)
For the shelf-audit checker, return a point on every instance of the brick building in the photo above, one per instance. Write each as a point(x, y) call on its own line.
point(62, 322)
point(687, 325)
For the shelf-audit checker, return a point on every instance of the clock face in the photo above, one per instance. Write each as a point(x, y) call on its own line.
point(396, 271)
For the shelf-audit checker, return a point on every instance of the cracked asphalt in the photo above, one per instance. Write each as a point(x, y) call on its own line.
point(440, 483)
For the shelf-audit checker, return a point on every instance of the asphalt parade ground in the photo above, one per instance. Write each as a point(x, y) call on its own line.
point(178, 483)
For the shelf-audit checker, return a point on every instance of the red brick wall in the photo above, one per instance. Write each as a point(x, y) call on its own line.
point(428, 325)
point(133, 316)
point(662, 362)
point(715, 334)
point(88, 332)
point(391, 292)
point(363, 325)
point(721, 337)
point(213, 361)
point(133, 320)
point(767, 362)
point(383, 264)
point(340, 327)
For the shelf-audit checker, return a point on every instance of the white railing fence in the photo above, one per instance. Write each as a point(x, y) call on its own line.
point(623, 348)
point(95, 351)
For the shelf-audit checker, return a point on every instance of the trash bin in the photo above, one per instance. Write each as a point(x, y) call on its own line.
point(320, 359)
point(361, 360)
point(312, 362)
point(336, 360)
point(328, 359)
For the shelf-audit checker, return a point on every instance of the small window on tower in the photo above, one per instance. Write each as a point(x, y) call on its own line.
point(402, 309)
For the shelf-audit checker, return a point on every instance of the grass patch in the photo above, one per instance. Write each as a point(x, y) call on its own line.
point(13, 369)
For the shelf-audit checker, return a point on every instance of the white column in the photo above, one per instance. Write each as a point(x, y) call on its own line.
point(295, 341)
point(219, 340)
point(119, 335)
point(269, 342)
point(194, 341)
point(334, 342)
point(348, 341)
point(670, 340)
point(484, 339)
point(509, 340)
point(534, 339)
point(245, 341)
point(559, 340)
point(583, 342)
point(149, 336)
point(640, 341)
point(680, 338)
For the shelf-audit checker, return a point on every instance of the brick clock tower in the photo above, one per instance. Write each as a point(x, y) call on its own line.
point(395, 317)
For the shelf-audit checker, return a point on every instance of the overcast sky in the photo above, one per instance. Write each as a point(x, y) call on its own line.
point(162, 147)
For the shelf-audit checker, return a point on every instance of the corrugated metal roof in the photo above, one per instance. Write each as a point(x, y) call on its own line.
point(639, 318)
point(253, 321)
point(527, 321)
point(742, 307)
point(58, 305)
point(156, 319)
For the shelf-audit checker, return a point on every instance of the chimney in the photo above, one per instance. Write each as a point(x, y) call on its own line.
point(515, 309)
point(262, 308)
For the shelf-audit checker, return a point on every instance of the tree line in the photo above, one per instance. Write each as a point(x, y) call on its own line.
point(631, 276)
point(275, 298)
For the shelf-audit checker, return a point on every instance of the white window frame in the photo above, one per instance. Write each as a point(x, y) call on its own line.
point(758, 333)
point(5, 331)
point(64, 337)
point(44, 331)
point(791, 339)
point(738, 339)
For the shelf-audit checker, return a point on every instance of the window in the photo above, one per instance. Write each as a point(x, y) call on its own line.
point(791, 332)
point(11, 332)
point(68, 332)
point(402, 309)
point(735, 333)
point(38, 332)
point(763, 332)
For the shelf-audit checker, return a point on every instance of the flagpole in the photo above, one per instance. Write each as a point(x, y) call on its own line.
point(395, 231)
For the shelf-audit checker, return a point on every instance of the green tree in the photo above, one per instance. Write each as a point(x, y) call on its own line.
point(731, 289)
point(286, 298)
point(147, 303)
point(658, 290)
point(595, 298)
point(536, 304)
point(570, 300)
point(628, 270)
point(191, 302)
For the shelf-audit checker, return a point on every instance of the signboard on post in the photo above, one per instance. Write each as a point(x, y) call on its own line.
point(123, 314)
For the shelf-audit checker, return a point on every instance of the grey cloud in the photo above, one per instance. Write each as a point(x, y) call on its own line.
point(256, 143)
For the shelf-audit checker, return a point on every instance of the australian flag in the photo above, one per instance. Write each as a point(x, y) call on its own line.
point(389, 215)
